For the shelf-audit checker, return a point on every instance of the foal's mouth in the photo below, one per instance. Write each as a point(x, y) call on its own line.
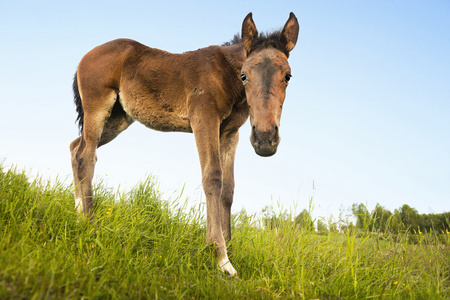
point(265, 143)
point(265, 151)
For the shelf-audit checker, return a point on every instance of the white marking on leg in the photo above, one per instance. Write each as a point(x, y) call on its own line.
point(79, 205)
point(226, 267)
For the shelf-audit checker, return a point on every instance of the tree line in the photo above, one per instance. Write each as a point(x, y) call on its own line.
point(402, 219)
point(379, 219)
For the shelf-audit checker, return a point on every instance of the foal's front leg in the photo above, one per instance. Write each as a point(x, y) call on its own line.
point(228, 144)
point(206, 131)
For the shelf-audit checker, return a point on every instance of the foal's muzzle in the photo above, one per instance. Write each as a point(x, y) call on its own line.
point(265, 143)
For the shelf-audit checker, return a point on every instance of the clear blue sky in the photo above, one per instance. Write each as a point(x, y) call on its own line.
point(366, 117)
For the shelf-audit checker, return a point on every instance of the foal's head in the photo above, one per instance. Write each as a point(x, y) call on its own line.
point(265, 75)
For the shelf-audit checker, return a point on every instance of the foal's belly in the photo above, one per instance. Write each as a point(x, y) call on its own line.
point(165, 122)
point(156, 114)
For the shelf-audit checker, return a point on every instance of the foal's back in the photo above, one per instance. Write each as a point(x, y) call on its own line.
point(158, 88)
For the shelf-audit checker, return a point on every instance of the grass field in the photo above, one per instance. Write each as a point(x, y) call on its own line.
point(143, 247)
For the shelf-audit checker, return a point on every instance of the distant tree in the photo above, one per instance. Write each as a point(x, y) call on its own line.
point(332, 227)
point(274, 220)
point(395, 224)
point(303, 220)
point(332, 224)
point(361, 214)
point(442, 222)
point(380, 217)
point(348, 228)
point(410, 217)
point(269, 219)
point(426, 222)
point(434, 222)
point(321, 227)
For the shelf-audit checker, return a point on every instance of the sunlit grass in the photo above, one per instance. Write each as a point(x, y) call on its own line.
point(142, 246)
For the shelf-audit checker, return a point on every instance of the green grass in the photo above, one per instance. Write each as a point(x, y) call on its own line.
point(145, 247)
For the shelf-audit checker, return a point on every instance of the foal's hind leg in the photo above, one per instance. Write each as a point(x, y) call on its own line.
point(83, 151)
point(74, 146)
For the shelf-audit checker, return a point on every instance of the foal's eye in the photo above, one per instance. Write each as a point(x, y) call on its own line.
point(287, 77)
point(244, 77)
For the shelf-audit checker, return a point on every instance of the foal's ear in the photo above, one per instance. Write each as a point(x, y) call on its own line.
point(289, 34)
point(249, 32)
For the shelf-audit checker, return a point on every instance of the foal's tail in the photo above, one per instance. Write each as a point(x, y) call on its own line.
point(77, 101)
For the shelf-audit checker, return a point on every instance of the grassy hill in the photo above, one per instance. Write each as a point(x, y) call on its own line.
point(145, 247)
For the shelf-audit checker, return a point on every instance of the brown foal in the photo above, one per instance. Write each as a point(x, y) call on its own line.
point(210, 92)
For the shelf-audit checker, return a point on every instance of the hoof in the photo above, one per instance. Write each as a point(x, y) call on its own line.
point(227, 268)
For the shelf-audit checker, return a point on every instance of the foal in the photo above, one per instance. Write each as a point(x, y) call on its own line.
point(210, 92)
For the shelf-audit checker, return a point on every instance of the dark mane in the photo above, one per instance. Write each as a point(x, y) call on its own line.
point(266, 40)
point(236, 40)
point(263, 41)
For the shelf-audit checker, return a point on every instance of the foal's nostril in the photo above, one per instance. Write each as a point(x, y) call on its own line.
point(276, 128)
point(254, 127)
